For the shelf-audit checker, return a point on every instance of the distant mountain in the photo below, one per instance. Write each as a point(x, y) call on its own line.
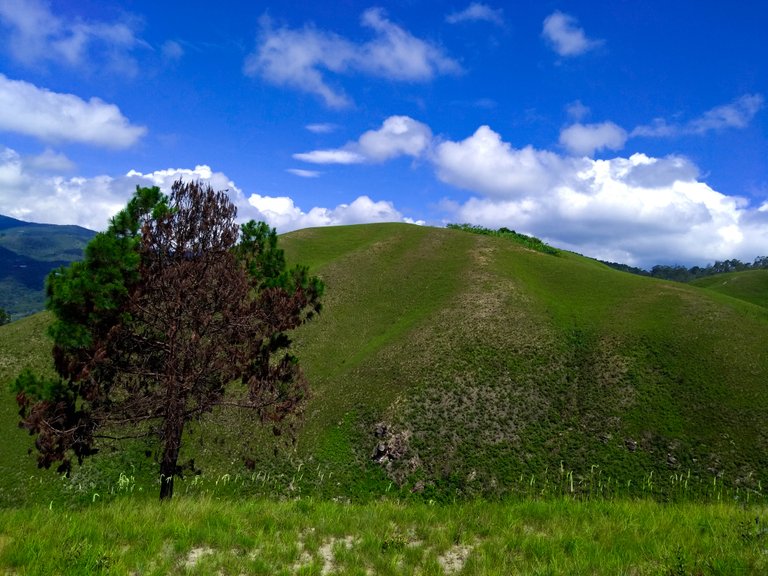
point(28, 252)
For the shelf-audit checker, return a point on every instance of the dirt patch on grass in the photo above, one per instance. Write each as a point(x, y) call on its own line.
point(195, 555)
point(325, 554)
point(453, 560)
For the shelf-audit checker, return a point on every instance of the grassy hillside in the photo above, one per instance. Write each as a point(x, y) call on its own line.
point(750, 285)
point(448, 364)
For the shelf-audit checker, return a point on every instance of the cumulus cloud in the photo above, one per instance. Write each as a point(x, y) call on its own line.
point(28, 194)
point(301, 58)
point(37, 35)
point(565, 36)
point(484, 163)
point(586, 139)
point(52, 116)
point(639, 210)
point(50, 161)
point(398, 136)
point(32, 196)
point(736, 114)
point(477, 12)
point(282, 213)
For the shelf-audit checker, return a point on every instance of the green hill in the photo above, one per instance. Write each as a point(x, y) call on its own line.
point(749, 285)
point(453, 364)
point(28, 252)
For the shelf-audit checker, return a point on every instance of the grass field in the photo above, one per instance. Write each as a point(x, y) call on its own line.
point(481, 368)
point(311, 537)
point(532, 413)
point(750, 285)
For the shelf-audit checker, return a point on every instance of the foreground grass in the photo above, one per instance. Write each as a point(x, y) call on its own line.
point(305, 536)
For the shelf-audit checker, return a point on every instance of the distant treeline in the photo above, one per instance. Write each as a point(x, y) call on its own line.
point(528, 241)
point(680, 273)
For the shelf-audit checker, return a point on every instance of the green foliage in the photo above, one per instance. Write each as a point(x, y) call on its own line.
point(39, 387)
point(530, 242)
point(263, 259)
point(87, 298)
point(266, 263)
point(4, 317)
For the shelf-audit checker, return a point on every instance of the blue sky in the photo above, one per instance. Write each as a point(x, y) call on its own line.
point(629, 131)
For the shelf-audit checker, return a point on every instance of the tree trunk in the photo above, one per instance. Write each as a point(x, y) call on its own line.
point(172, 431)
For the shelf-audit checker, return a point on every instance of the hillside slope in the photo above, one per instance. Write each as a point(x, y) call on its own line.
point(454, 364)
point(749, 285)
point(485, 361)
point(477, 361)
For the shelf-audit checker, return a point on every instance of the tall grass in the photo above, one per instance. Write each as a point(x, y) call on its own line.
point(307, 536)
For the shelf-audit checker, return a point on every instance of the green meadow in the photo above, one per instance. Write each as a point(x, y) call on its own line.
point(479, 406)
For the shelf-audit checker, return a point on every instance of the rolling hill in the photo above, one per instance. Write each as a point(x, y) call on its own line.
point(749, 285)
point(452, 364)
point(28, 252)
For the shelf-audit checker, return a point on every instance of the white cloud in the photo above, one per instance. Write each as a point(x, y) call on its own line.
point(282, 213)
point(483, 163)
point(164, 179)
point(640, 210)
point(90, 202)
point(398, 136)
point(565, 36)
point(586, 139)
point(29, 195)
point(321, 128)
point(172, 50)
point(52, 116)
point(477, 11)
point(659, 128)
point(303, 173)
point(334, 156)
point(50, 161)
point(37, 35)
point(301, 58)
point(577, 111)
point(736, 114)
